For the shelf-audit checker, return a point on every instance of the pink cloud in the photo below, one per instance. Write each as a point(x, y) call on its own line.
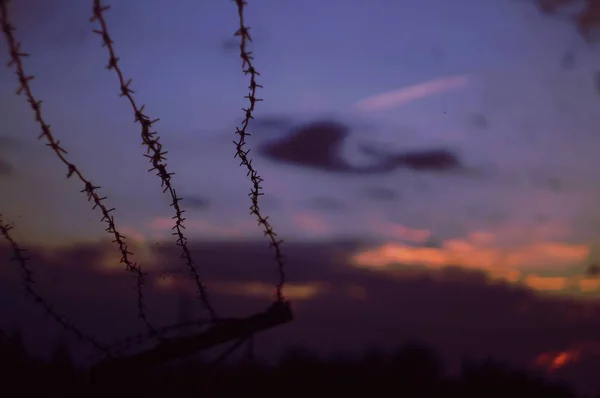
point(401, 232)
point(479, 251)
point(311, 224)
point(405, 95)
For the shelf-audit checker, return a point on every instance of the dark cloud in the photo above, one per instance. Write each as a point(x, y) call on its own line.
point(457, 312)
point(479, 121)
point(272, 122)
point(542, 181)
point(585, 17)
point(430, 160)
point(317, 145)
point(195, 202)
point(567, 61)
point(326, 204)
point(231, 44)
point(54, 18)
point(380, 193)
point(8, 143)
point(5, 167)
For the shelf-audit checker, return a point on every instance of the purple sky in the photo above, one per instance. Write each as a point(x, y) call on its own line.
point(486, 82)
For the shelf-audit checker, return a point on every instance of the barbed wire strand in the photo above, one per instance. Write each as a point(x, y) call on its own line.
point(16, 59)
point(21, 258)
point(248, 69)
point(154, 152)
point(139, 338)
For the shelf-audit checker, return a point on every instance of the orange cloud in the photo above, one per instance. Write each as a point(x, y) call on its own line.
point(294, 291)
point(588, 285)
point(546, 283)
point(405, 95)
point(479, 252)
point(400, 232)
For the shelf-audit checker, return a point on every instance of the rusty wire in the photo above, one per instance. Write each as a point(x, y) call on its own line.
point(20, 257)
point(249, 69)
point(154, 151)
point(16, 59)
point(157, 158)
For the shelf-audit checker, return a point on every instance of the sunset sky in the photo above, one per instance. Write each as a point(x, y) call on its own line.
point(509, 92)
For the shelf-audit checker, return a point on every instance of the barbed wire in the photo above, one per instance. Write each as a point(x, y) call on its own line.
point(154, 152)
point(16, 59)
point(20, 257)
point(157, 158)
point(248, 68)
point(124, 344)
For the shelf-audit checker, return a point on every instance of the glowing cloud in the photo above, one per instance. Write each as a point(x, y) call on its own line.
point(547, 283)
point(137, 243)
point(295, 291)
point(405, 95)
point(479, 252)
point(311, 224)
point(589, 285)
point(400, 232)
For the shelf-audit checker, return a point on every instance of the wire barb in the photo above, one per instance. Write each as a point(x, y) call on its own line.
point(28, 283)
point(154, 153)
point(248, 69)
point(16, 60)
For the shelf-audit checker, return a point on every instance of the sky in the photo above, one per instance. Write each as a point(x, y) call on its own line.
point(465, 136)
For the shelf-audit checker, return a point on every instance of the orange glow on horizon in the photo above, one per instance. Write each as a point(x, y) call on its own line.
point(294, 291)
point(555, 360)
point(479, 252)
point(546, 283)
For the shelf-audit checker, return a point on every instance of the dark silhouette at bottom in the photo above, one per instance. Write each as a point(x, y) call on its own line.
point(411, 371)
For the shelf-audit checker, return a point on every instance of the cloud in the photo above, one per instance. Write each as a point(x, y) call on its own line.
point(382, 194)
point(9, 143)
point(479, 121)
point(196, 202)
point(5, 167)
point(397, 231)
point(161, 225)
point(546, 283)
point(230, 44)
point(138, 244)
point(311, 224)
point(317, 145)
point(531, 254)
point(337, 306)
point(249, 288)
point(479, 251)
point(326, 204)
point(392, 99)
point(272, 122)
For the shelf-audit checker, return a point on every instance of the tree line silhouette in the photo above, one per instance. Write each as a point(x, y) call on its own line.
point(413, 370)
